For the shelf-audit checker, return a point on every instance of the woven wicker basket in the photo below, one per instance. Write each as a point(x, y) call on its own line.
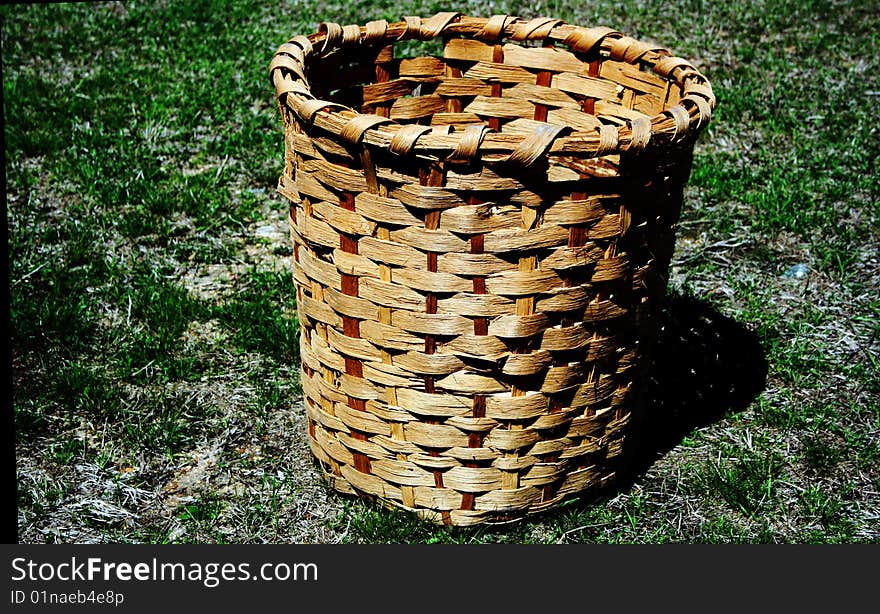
point(480, 244)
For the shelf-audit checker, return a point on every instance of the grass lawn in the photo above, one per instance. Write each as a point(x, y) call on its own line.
point(153, 319)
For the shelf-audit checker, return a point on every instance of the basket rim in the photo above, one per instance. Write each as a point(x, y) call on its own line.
point(287, 72)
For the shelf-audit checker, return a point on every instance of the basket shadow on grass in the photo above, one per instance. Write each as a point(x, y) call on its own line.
point(706, 366)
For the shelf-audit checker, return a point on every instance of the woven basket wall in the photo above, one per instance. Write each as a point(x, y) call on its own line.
point(480, 242)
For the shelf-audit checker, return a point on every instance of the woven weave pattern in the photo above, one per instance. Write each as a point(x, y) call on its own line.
point(480, 243)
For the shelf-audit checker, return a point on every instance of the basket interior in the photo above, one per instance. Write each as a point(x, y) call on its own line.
point(505, 86)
